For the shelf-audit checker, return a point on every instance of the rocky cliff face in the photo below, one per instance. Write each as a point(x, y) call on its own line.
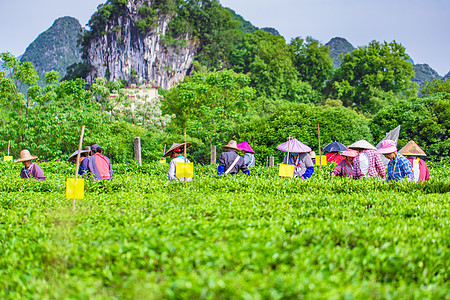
point(125, 52)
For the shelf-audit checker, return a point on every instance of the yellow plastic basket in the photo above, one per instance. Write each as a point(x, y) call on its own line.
point(7, 158)
point(185, 169)
point(286, 170)
point(75, 188)
point(323, 158)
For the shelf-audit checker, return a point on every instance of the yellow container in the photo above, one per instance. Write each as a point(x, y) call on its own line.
point(286, 170)
point(185, 169)
point(323, 158)
point(75, 188)
point(162, 161)
point(7, 158)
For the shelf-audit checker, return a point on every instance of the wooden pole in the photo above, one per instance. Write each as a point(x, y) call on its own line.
point(320, 149)
point(80, 144)
point(137, 150)
point(213, 154)
point(271, 161)
point(164, 149)
point(9, 145)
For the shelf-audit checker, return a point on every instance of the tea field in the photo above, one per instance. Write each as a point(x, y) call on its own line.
point(139, 236)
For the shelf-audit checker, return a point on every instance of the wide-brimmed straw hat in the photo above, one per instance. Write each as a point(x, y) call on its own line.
point(25, 155)
point(362, 144)
point(350, 153)
point(176, 146)
point(231, 145)
point(73, 157)
point(387, 146)
point(412, 149)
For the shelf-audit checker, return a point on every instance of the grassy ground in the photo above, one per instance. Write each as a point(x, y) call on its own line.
point(139, 236)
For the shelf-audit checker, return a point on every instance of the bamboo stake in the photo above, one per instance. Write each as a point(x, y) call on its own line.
point(320, 149)
point(289, 149)
point(78, 161)
point(9, 145)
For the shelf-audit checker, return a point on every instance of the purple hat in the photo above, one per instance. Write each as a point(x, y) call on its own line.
point(293, 146)
point(244, 146)
point(387, 146)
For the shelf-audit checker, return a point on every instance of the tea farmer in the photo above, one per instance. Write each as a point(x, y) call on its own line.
point(249, 154)
point(399, 166)
point(368, 163)
point(83, 155)
point(412, 152)
point(30, 169)
point(97, 164)
point(176, 153)
point(313, 156)
point(346, 167)
point(230, 161)
point(299, 157)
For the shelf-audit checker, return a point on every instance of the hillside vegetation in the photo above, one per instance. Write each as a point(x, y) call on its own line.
point(56, 48)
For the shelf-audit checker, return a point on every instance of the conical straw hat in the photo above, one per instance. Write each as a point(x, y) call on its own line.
point(362, 144)
point(174, 147)
point(25, 155)
point(412, 149)
point(232, 145)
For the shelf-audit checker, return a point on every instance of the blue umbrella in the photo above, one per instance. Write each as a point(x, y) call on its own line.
point(334, 147)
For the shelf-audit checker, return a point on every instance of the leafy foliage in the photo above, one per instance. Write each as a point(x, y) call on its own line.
point(312, 61)
point(373, 75)
point(424, 120)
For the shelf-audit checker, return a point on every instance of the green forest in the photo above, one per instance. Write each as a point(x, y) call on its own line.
point(246, 84)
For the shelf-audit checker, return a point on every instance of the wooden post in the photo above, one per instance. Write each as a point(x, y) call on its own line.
point(271, 161)
point(80, 144)
point(213, 154)
point(267, 161)
point(9, 145)
point(320, 149)
point(137, 150)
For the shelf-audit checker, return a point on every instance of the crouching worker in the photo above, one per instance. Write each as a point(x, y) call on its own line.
point(83, 155)
point(346, 168)
point(30, 169)
point(230, 161)
point(176, 153)
point(399, 166)
point(97, 164)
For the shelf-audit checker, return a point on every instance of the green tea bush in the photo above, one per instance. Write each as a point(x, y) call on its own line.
point(258, 236)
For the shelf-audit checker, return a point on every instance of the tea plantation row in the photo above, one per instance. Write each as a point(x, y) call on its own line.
point(141, 237)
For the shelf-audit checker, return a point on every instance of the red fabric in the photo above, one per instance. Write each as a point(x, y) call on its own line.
point(102, 164)
point(424, 172)
point(334, 157)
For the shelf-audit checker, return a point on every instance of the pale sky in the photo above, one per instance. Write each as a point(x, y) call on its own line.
point(422, 26)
